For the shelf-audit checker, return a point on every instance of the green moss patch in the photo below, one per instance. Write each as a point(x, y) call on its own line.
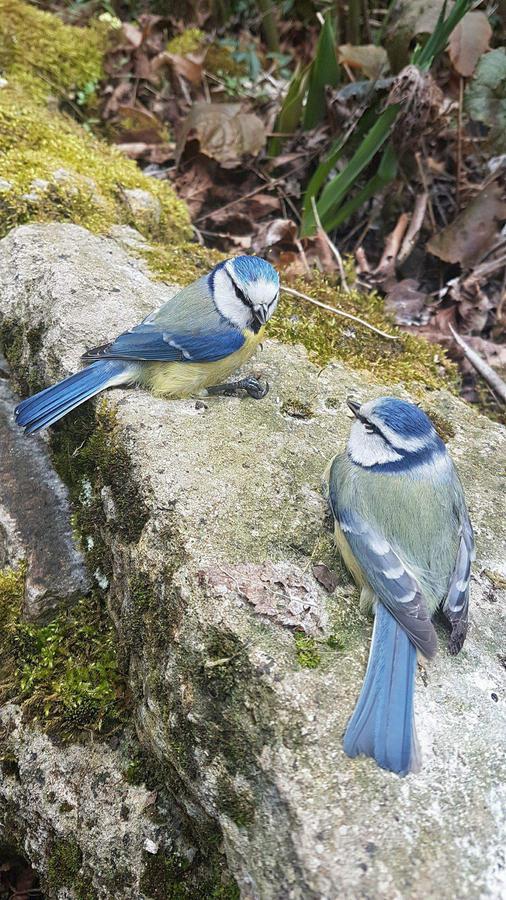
point(408, 359)
point(306, 648)
point(170, 876)
point(91, 458)
point(38, 51)
point(65, 674)
point(52, 169)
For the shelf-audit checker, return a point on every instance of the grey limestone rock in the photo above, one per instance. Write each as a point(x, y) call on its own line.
point(35, 518)
point(211, 537)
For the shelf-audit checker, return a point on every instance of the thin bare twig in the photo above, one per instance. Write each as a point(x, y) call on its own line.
point(303, 256)
point(459, 139)
point(338, 312)
point(426, 191)
point(386, 265)
point(332, 247)
point(415, 225)
point(487, 372)
point(363, 267)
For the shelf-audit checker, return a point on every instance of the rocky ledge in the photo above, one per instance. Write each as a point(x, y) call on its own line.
point(243, 645)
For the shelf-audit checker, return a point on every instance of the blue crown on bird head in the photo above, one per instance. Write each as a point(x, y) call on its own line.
point(404, 418)
point(251, 268)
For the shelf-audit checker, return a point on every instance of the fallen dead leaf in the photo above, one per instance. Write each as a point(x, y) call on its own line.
point(326, 577)
point(135, 125)
point(277, 231)
point(189, 66)
point(469, 41)
point(224, 132)
point(133, 35)
point(473, 303)
point(151, 153)
point(370, 59)
point(494, 354)
point(473, 231)
point(407, 302)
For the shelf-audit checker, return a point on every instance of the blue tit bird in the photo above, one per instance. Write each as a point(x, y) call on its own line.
point(195, 341)
point(403, 530)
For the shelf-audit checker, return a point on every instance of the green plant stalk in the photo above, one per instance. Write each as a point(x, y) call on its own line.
point(386, 173)
point(269, 25)
point(353, 22)
point(423, 57)
point(291, 111)
point(336, 189)
point(324, 169)
point(324, 72)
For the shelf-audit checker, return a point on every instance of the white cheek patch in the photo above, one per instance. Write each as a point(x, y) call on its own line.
point(227, 302)
point(369, 449)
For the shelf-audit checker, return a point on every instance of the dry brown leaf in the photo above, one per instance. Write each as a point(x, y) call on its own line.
point(133, 34)
point(407, 302)
point(326, 577)
point(370, 59)
point(494, 354)
point(189, 66)
point(224, 132)
point(473, 303)
point(474, 230)
point(469, 41)
point(277, 231)
point(136, 125)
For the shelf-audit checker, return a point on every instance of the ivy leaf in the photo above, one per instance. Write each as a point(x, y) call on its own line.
point(485, 98)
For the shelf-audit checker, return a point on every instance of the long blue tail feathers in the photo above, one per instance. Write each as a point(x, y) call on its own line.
point(382, 725)
point(51, 404)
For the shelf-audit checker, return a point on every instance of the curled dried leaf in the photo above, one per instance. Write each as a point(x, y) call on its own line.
point(474, 230)
point(224, 132)
point(469, 41)
point(421, 105)
point(368, 58)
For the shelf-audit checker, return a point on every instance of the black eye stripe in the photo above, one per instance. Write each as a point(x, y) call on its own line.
point(373, 429)
point(240, 294)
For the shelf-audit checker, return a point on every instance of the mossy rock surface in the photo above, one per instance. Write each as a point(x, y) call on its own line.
point(248, 737)
point(52, 168)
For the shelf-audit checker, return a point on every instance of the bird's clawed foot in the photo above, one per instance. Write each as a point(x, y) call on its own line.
point(253, 387)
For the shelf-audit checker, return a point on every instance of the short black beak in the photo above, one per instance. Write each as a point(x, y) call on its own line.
point(354, 406)
point(261, 314)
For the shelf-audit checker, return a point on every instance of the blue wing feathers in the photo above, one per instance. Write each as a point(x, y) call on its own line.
point(145, 343)
point(52, 403)
point(390, 580)
point(382, 725)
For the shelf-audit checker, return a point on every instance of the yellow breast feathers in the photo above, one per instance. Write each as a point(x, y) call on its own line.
point(185, 379)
